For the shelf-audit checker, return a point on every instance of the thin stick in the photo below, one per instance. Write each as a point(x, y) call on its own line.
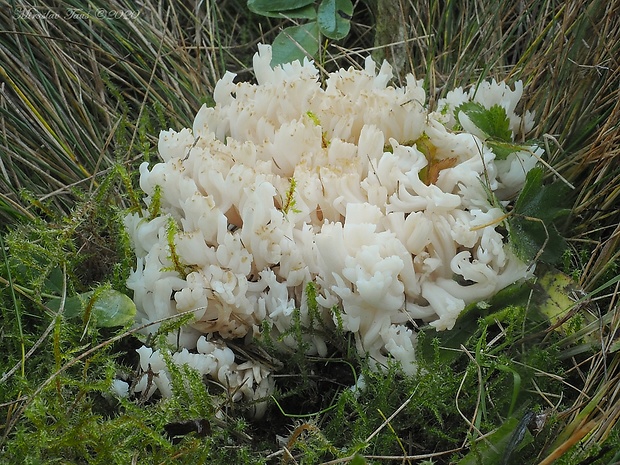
point(390, 418)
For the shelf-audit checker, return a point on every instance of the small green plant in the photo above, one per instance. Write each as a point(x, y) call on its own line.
point(171, 232)
point(532, 222)
point(495, 124)
point(329, 18)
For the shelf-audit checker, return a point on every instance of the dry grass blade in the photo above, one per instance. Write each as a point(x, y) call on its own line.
point(599, 399)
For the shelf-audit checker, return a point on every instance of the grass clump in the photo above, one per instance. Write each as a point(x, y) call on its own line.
point(75, 76)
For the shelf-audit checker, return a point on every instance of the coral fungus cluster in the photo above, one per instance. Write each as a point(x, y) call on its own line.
point(391, 209)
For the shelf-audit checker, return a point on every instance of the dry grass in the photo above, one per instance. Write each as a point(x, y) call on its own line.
point(71, 83)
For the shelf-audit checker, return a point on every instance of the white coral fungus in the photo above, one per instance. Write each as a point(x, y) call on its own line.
point(354, 186)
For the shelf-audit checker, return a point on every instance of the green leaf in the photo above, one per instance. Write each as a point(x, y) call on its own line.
point(554, 296)
point(295, 43)
point(106, 308)
point(492, 121)
point(533, 233)
point(334, 18)
point(305, 12)
point(531, 188)
point(54, 282)
point(546, 202)
point(274, 7)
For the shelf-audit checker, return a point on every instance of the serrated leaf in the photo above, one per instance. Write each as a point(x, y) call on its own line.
point(545, 202)
point(533, 184)
point(531, 225)
point(268, 7)
point(108, 308)
point(295, 43)
point(334, 18)
point(531, 241)
point(492, 121)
